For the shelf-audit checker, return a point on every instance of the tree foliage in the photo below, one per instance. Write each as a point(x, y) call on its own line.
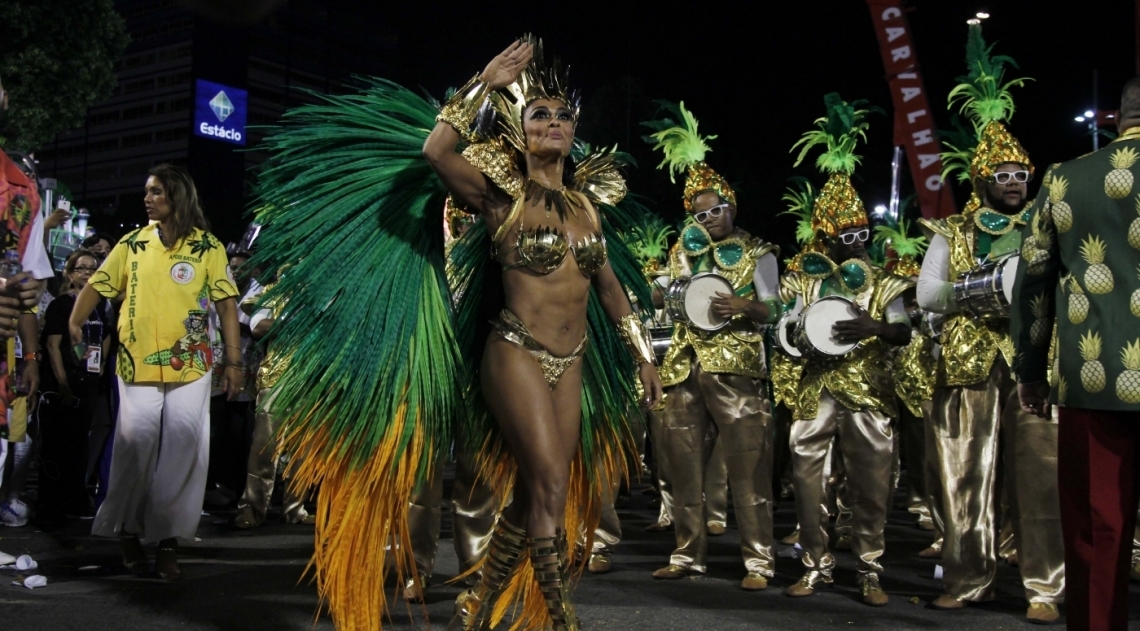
point(56, 60)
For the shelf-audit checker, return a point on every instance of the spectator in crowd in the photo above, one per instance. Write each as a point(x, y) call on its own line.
point(232, 421)
point(168, 271)
point(71, 390)
point(99, 245)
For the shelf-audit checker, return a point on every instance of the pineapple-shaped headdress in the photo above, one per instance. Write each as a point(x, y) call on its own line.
point(983, 96)
point(837, 207)
point(685, 150)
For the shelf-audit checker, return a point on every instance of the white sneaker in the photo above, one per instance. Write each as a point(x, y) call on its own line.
point(13, 513)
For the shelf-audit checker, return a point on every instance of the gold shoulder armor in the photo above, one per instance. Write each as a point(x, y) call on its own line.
point(939, 226)
point(597, 177)
point(889, 287)
point(496, 161)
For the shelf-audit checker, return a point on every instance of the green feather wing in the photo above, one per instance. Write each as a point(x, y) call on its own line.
point(354, 210)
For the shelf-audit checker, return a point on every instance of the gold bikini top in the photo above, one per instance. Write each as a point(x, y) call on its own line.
point(542, 250)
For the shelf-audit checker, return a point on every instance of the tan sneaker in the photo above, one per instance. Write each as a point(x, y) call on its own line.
point(806, 585)
point(715, 528)
point(946, 602)
point(671, 572)
point(792, 539)
point(754, 582)
point(414, 589)
point(873, 593)
point(931, 553)
point(599, 563)
point(1042, 613)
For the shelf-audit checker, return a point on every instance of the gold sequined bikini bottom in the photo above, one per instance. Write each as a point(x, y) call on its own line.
point(513, 330)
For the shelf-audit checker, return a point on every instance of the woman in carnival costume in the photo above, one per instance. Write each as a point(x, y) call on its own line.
point(377, 380)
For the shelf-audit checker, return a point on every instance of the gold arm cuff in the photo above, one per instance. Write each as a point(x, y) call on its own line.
point(636, 338)
point(461, 109)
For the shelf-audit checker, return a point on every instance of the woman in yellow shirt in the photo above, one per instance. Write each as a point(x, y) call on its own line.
point(167, 273)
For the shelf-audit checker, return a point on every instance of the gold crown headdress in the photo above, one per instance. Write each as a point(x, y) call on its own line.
point(685, 149)
point(837, 207)
point(901, 251)
point(984, 97)
point(537, 81)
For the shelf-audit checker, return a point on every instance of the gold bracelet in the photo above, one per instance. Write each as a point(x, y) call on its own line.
point(636, 338)
point(461, 109)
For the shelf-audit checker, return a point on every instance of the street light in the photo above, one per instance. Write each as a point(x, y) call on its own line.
point(1090, 117)
point(880, 210)
point(981, 15)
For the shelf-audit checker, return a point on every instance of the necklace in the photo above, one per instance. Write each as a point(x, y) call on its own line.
point(162, 237)
point(560, 199)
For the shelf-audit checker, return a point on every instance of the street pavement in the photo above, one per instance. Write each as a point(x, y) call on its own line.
point(253, 580)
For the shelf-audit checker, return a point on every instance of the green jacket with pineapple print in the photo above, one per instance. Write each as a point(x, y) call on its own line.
point(1080, 269)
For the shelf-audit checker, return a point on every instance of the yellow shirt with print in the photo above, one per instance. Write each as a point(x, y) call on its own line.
point(163, 336)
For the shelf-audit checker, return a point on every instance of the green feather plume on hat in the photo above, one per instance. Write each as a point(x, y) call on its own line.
point(682, 145)
point(840, 131)
point(982, 95)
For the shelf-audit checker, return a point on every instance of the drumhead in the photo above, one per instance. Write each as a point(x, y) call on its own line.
point(1008, 276)
point(698, 300)
point(818, 319)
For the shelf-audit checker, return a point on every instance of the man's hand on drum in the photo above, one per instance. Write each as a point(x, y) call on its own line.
point(857, 329)
point(651, 383)
point(726, 306)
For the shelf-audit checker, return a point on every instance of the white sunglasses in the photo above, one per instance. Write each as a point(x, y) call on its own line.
point(715, 211)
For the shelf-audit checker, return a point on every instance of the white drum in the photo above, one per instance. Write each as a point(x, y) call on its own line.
point(789, 320)
point(689, 300)
point(813, 336)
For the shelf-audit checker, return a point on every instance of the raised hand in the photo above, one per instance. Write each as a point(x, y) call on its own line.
point(507, 65)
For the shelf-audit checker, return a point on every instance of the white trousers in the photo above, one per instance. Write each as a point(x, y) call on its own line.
point(159, 461)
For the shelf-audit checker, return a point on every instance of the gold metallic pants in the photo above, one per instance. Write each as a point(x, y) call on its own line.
point(608, 533)
point(661, 466)
point(866, 444)
point(716, 484)
point(738, 407)
point(912, 443)
point(472, 516)
point(974, 428)
point(261, 470)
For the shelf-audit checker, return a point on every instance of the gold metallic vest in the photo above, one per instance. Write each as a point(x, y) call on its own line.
point(737, 349)
point(275, 362)
point(969, 345)
point(860, 380)
point(915, 372)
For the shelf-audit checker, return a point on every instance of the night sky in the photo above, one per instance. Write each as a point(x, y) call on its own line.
point(755, 74)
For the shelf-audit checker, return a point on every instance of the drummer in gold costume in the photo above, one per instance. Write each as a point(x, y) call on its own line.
point(978, 419)
point(850, 397)
point(914, 368)
point(717, 377)
point(472, 500)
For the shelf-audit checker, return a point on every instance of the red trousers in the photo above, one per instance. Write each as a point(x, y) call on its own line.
point(1099, 478)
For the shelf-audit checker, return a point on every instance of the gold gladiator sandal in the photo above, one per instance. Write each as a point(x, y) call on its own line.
point(473, 606)
point(551, 562)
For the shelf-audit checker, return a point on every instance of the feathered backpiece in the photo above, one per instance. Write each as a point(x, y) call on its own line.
point(983, 96)
point(800, 198)
point(901, 250)
point(537, 81)
point(677, 137)
point(961, 143)
point(837, 207)
point(648, 241)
